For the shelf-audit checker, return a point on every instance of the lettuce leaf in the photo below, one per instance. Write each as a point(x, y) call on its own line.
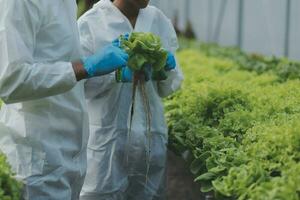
point(144, 49)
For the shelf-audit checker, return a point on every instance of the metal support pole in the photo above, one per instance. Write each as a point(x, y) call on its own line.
point(220, 20)
point(210, 20)
point(287, 28)
point(240, 23)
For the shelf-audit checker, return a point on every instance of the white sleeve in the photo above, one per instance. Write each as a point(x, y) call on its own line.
point(97, 85)
point(21, 78)
point(175, 77)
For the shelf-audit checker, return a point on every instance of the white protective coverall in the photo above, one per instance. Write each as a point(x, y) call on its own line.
point(44, 125)
point(109, 175)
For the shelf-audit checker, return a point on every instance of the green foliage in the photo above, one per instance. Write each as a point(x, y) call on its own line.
point(239, 127)
point(144, 49)
point(282, 67)
point(9, 187)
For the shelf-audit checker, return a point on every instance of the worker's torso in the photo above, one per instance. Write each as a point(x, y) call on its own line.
point(50, 132)
point(110, 111)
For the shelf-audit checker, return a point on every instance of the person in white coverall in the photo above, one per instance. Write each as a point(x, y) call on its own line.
point(117, 166)
point(44, 124)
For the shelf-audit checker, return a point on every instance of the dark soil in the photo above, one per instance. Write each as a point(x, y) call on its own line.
point(181, 185)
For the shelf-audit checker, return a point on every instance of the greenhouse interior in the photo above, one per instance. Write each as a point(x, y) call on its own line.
point(150, 100)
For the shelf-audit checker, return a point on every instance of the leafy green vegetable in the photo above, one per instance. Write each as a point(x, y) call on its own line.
point(283, 68)
point(240, 125)
point(10, 189)
point(144, 49)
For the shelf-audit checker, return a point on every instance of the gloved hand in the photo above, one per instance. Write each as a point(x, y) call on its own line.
point(124, 75)
point(171, 62)
point(105, 61)
point(117, 42)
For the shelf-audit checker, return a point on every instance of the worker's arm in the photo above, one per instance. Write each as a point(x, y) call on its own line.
point(21, 78)
point(97, 85)
point(174, 74)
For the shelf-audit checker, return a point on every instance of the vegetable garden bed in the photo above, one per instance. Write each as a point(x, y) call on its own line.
point(9, 187)
point(236, 120)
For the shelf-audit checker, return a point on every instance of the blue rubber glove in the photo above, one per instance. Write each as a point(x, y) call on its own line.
point(117, 42)
point(126, 75)
point(171, 62)
point(105, 61)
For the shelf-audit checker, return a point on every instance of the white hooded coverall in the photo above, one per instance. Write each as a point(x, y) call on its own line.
point(43, 126)
point(109, 175)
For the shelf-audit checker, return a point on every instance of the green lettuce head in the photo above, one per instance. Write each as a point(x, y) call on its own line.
point(144, 49)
